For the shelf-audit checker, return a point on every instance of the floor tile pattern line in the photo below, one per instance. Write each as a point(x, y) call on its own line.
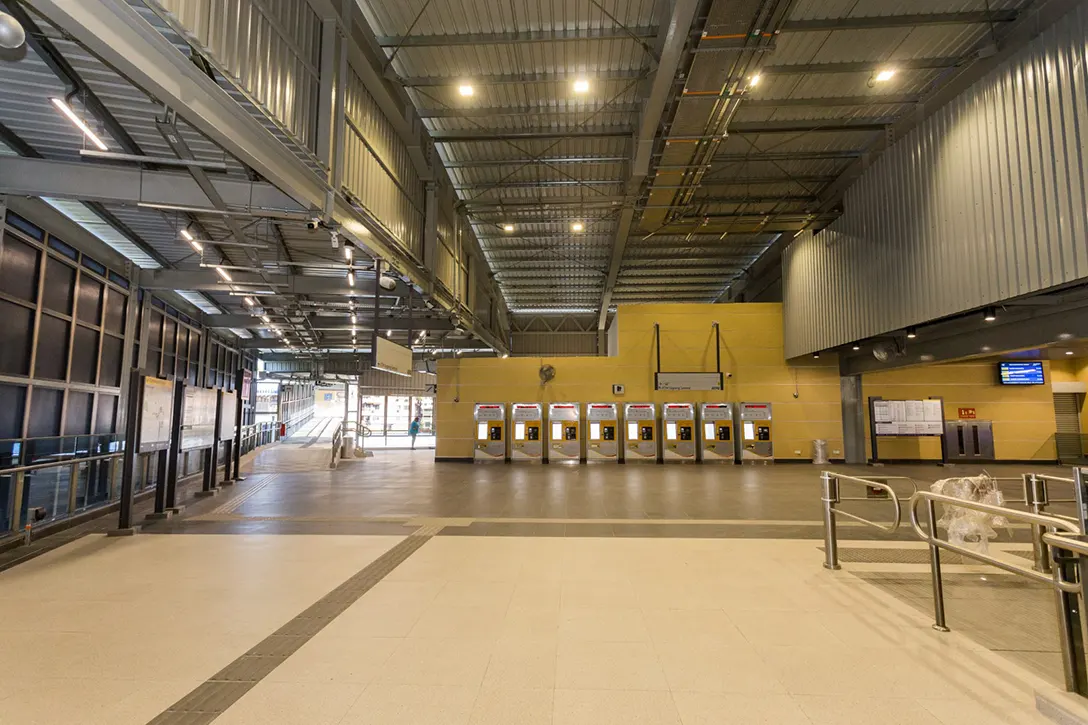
point(210, 699)
point(231, 505)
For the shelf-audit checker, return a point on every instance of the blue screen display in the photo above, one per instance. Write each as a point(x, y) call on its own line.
point(1021, 373)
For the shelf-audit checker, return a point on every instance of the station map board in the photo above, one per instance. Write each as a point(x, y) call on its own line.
point(155, 414)
point(908, 417)
point(198, 426)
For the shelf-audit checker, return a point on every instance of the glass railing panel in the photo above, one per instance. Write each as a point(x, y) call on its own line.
point(45, 495)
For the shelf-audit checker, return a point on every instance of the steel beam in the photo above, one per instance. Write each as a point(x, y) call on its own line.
point(500, 111)
point(330, 322)
point(88, 181)
point(874, 22)
point(521, 78)
point(480, 163)
point(672, 40)
point(528, 36)
point(500, 134)
point(881, 99)
point(207, 280)
point(862, 67)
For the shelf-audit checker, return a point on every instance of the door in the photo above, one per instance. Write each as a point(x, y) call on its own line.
point(1067, 432)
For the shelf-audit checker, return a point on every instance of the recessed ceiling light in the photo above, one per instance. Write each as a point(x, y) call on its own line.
point(465, 90)
point(577, 226)
point(1068, 352)
point(581, 86)
point(508, 227)
point(79, 123)
point(989, 314)
point(885, 75)
point(754, 80)
point(911, 333)
point(857, 347)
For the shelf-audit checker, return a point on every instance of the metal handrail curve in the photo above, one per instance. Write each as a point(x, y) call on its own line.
point(55, 464)
point(831, 497)
point(932, 539)
point(337, 444)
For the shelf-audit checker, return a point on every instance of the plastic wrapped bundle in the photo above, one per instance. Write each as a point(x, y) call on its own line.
point(967, 526)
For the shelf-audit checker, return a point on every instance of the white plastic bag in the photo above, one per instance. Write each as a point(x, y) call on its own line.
point(965, 526)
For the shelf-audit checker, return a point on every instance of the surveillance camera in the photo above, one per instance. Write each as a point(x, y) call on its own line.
point(729, 375)
point(314, 224)
point(334, 237)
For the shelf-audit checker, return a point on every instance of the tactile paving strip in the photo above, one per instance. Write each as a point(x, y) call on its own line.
point(210, 699)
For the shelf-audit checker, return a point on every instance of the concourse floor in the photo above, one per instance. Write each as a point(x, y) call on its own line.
point(395, 591)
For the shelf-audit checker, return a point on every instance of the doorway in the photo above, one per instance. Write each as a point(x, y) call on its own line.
point(1067, 431)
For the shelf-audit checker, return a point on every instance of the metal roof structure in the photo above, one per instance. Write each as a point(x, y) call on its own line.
point(523, 156)
point(709, 127)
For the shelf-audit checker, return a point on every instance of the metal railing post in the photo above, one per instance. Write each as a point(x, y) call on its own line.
point(935, 569)
point(1035, 496)
point(831, 539)
point(17, 502)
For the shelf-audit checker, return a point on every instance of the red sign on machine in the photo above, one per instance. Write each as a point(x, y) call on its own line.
point(967, 413)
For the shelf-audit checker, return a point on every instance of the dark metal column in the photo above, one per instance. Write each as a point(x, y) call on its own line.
point(853, 419)
point(130, 457)
point(177, 420)
point(236, 460)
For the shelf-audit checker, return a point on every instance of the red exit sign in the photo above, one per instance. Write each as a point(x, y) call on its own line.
point(967, 413)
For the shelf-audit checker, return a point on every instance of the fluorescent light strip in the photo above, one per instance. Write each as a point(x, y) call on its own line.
point(63, 108)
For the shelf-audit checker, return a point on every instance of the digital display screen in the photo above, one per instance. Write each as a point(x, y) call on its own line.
point(632, 431)
point(670, 431)
point(749, 430)
point(708, 431)
point(481, 431)
point(557, 432)
point(594, 431)
point(1021, 373)
point(519, 431)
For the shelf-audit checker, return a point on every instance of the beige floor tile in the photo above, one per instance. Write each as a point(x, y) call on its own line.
point(336, 659)
point(589, 594)
point(419, 661)
point(611, 707)
point(602, 625)
point(508, 706)
point(537, 594)
point(489, 594)
point(530, 622)
point(471, 622)
point(717, 669)
point(522, 663)
point(292, 703)
point(964, 712)
point(696, 627)
point(383, 704)
point(794, 629)
point(836, 710)
point(608, 666)
point(703, 708)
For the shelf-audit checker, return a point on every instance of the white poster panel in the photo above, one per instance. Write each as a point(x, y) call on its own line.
point(198, 427)
point(226, 420)
point(155, 414)
point(393, 358)
point(933, 412)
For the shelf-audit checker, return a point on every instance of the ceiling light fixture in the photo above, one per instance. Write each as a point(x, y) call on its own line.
point(508, 227)
point(912, 333)
point(989, 314)
point(577, 226)
point(347, 253)
point(63, 108)
point(815, 356)
point(1068, 352)
point(353, 318)
point(581, 86)
point(186, 235)
point(754, 80)
point(885, 75)
point(197, 246)
point(248, 301)
point(465, 90)
point(265, 318)
point(223, 273)
point(856, 347)
point(388, 333)
point(351, 278)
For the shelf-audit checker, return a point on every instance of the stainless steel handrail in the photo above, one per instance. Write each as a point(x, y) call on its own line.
point(831, 497)
point(54, 464)
point(1037, 498)
point(337, 444)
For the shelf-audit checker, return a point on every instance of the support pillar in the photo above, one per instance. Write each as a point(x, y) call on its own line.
point(177, 420)
point(130, 457)
point(853, 419)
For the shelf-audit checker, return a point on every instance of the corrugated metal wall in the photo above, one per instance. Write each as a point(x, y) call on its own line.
point(377, 382)
point(378, 171)
point(271, 47)
point(985, 200)
point(524, 344)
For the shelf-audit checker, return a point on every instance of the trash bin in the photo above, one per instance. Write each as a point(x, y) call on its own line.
point(819, 452)
point(347, 450)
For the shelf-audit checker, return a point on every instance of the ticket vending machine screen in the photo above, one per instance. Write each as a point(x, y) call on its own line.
point(647, 433)
point(708, 431)
point(481, 431)
point(763, 433)
point(685, 433)
point(670, 431)
point(608, 433)
point(595, 431)
point(632, 431)
point(519, 431)
point(749, 430)
point(533, 433)
point(723, 433)
point(496, 433)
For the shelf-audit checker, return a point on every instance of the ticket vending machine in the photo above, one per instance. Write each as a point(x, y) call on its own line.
point(490, 432)
point(603, 439)
point(678, 433)
point(640, 434)
point(717, 444)
point(757, 437)
point(564, 433)
point(527, 441)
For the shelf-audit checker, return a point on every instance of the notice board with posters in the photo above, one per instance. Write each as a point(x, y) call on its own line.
point(155, 414)
point(198, 425)
point(907, 417)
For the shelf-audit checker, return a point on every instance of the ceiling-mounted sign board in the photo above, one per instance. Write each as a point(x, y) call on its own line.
point(689, 381)
point(155, 414)
point(393, 358)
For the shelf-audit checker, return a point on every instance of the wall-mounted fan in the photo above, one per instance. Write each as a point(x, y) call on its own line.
point(889, 350)
point(547, 374)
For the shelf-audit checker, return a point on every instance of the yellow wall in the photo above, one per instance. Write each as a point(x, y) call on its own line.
point(751, 349)
point(1023, 416)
